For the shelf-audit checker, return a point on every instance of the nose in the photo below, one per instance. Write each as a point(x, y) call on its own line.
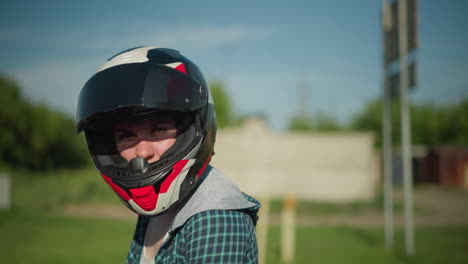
point(145, 150)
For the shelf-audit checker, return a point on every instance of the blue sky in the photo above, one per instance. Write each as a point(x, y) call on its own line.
point(261, 50)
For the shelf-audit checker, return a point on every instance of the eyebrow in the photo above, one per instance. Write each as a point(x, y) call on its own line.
point(152, 122)
point(124, 130)
point(161, 119)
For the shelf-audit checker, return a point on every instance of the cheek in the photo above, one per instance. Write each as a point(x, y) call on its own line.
point(128, 153)
point(164, 145)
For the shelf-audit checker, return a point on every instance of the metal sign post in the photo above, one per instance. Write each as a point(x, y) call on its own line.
point(288, 229)
point(5, 191)
point(405, 127)
point(262, 228)
point(387, 138)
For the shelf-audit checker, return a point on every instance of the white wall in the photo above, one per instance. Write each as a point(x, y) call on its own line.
point(319, 166)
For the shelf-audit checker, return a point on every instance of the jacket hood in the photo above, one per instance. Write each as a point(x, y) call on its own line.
point(216, 192)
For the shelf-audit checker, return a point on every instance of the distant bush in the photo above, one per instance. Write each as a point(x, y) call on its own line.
point(318, 122)
point(35, 137)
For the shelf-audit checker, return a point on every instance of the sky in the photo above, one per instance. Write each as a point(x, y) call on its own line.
point(263, 51)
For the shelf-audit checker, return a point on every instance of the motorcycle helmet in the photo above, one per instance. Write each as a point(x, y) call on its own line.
point(141, 83)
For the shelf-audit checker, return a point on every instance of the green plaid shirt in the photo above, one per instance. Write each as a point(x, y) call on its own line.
point(216, 225)
point(211, 236)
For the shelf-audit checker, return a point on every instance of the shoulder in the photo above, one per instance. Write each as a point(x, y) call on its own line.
point(221, 236)
point(221, 221)
point(216, 193)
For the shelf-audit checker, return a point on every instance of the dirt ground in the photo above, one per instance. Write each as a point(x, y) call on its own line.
point(436, 206)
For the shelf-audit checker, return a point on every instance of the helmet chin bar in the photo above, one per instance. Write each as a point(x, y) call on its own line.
point(137, 209)
point(148, 201)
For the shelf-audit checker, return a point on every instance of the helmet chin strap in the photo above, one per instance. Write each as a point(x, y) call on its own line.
point(139, 165)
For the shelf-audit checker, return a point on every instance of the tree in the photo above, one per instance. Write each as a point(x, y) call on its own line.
point(319, 122)
point(430, 124)
point(222, 104)
point(35, 137)
point(325, 122)
point(300, 123)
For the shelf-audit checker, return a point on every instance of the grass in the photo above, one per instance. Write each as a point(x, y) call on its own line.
point(49, 191)
point(376, 204)
point(30, 237)
point(34, 231)
point(332, 245)
point(54, 189)
point(311, 208)
point(42, 238)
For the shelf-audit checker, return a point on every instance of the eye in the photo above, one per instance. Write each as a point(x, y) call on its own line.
point(122, 135)
point(163, 129)
point(159, 129)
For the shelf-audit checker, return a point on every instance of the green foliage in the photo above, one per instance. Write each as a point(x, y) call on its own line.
point(300, 123)
point(222, 104)
point(35, 137)
point(430, 124)
point(319, 122)
point(324, 122)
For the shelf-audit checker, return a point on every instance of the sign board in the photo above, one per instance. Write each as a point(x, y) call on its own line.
point(391, 28)
point(5, 191)
point(393, 80)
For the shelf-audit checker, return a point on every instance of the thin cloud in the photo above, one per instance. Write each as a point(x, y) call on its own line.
point(213, 36)
point(55, 84)
point(193, 35)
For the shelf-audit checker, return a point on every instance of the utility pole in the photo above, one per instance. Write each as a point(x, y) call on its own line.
point(405, 127)
point(387, 138)
point(399, 22)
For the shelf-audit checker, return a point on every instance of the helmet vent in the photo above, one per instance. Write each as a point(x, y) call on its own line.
point(120, 173)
